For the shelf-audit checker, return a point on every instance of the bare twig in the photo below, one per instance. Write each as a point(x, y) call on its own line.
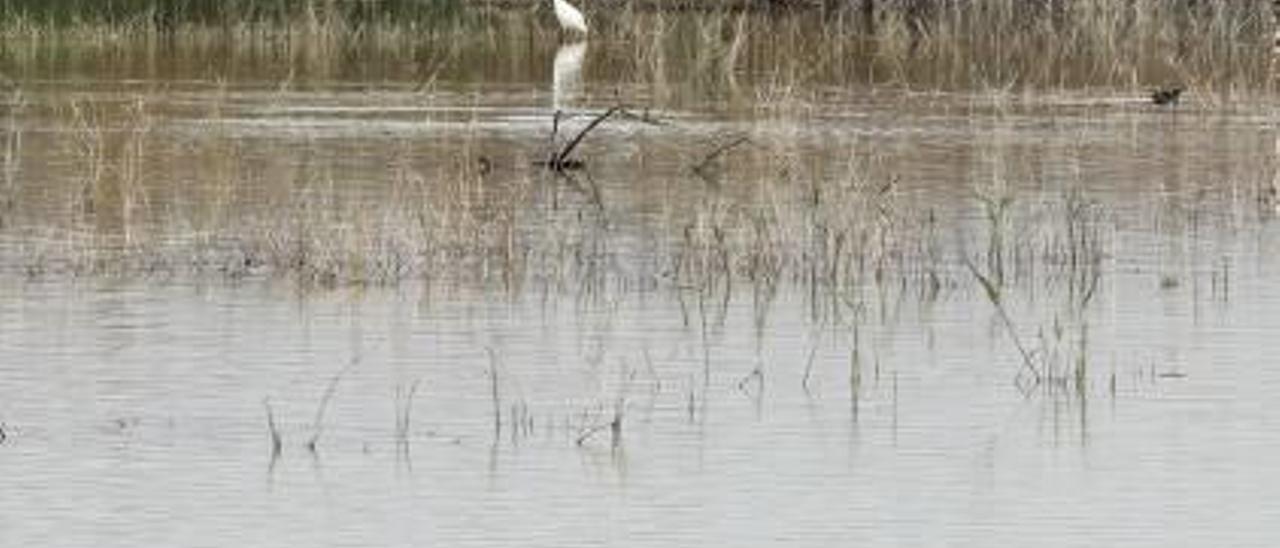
point(653, 372)
point(755, 376)
point(619, 412)
point(276, 441)
point(493, 383)
point(317, 426)
point(808, 369)
point(559, 160)
point(993, 294)
point(614, 425)
point(555, 126)
point(404, 411)
point(589, 432)
point(718, 151)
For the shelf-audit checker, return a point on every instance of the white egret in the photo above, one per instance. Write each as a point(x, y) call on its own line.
point(566, 73)
point(570, 18)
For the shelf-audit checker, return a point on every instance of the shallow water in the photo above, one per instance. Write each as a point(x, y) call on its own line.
point(855, 409)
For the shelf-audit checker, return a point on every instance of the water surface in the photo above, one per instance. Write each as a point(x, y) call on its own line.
point(788, 337)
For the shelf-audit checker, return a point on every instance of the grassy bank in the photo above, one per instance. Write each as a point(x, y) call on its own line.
point(1219, 50)
point(172, 14)
point(168, 14)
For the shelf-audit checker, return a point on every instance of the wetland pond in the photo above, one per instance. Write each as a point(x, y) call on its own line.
point(273, 295)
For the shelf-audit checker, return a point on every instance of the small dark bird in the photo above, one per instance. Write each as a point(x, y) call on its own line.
point(1166, 96)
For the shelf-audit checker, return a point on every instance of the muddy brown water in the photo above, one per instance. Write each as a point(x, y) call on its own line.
point(797, 414)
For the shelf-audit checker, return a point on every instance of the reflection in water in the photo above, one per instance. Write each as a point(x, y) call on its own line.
point(566, 76)
point(793, 355)
point(940, 434)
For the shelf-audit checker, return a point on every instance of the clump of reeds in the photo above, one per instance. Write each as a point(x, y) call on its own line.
point(1055, 250)
point(11, 169)
point(404, 416)
point(494, 395)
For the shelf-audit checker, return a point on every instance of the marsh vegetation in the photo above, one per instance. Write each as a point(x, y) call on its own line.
point(426, 231)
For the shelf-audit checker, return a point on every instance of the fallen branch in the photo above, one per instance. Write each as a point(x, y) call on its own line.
point(993, 295)
point(318, 425)
point(720, 150)
point(559, 160)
